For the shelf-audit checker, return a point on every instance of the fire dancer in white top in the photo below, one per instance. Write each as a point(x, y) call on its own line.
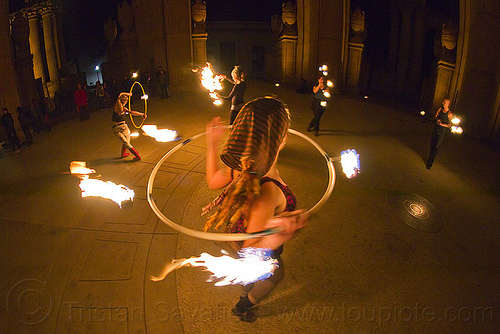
point(120, 127)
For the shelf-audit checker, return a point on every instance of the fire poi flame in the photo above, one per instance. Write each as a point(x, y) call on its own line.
point(456, 129)
point(211, 82)
point(253, 264)
point(118, 193)
point(161, 135)
point(349, 159)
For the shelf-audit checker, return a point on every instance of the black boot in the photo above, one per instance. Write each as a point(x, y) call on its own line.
point(242, 310)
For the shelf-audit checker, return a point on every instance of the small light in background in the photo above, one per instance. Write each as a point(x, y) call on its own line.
point(277, 84)
point(422, 113)
point(365, 97)
point(135, 75)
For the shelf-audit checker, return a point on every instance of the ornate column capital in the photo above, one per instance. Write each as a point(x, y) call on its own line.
point(47, 10)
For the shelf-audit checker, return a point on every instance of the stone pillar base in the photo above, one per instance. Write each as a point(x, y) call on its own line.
point(288, 49)
point(199, 42)
point(52, 88)
point(354, 65)
point(444, 73)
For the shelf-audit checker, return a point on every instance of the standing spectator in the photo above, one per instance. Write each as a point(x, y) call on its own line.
point(100, 95)
point(442, 118)
point(8, 123)
point(113, 90)
point(82, 102)
point(318, 107)
point(126, 84)
point(25, 119)
point(38, 116)
point(50, 112)
point(163, 83)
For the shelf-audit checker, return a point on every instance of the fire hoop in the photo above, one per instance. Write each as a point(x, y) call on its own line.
point(144, 97)
point(234, 236)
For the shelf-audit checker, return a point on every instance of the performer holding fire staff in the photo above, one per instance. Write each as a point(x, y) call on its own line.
point(120, 127)
point(237, 94)
point(254, 191)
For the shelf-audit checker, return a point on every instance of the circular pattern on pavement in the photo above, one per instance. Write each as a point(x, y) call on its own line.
point(415, 211)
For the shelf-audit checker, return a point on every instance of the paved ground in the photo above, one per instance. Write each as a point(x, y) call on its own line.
point(82, 265)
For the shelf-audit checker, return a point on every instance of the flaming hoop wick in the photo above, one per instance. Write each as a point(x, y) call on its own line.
point(253, 264)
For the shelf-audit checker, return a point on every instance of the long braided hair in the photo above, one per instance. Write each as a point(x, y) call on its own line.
point(251, 148)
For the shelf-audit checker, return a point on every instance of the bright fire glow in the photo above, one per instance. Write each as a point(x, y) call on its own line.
point(253, 264)
point(161, 135)
point(80, 168)
point(349, 159)
point(277, 84)
point(134, 134)
point(325, 73)
point(211, 82)
point(118, 193)
point(457, 130)
point(422, 113)
point(323, 103)
point(217, 102)
point(144, 97)
point(135, 75)
point(326, 94)
point(329, 83)
point(323, 68)
point(455, 121)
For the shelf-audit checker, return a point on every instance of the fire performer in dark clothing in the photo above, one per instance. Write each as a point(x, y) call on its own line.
point(237, 94)
point(443, 118)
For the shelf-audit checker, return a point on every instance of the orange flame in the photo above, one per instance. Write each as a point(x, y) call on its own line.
point(161, 135)
point(211, 82)
point(246, 270)
point(106, 189)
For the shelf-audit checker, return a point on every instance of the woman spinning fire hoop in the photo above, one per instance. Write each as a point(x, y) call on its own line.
point(255, 191)
point(120, 127)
